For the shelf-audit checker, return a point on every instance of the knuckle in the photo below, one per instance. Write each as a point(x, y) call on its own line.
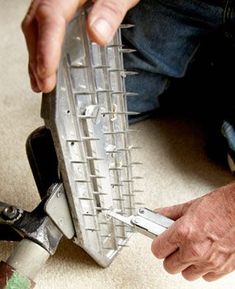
point(183, 232)
point(114, 8)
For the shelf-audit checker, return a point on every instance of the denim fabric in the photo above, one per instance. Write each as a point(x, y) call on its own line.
point(166, 35)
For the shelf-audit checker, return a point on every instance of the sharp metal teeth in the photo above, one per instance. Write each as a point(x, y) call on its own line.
point(81, 116)
point(89, 215)
point(99, 194)
point(118, 199)
point(97, 177)
point(136, 163)
point(114, 45)
point(128, 195)
point(129, 73)
point(104, 90)
point(138, 191)
point(83, 92)
point(73, 140)
point(85, 199)
point(127, 181)
point(92, 229)
point(78, 66)
point(81, 181)
point(78, 162)
point(121, 112)
point(94, 159)
point(125, 93)
point(117, 185)
point(123, 245)
point(89, 138)
point(115, 169)
point(105, 236)
point(127, 50)
point(101, 209)
point(129, 208)
point(101, 66)
point(132, 94)
point(126, 26)
point(137, 178)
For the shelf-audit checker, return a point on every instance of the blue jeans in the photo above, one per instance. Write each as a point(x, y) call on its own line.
point(167, 34)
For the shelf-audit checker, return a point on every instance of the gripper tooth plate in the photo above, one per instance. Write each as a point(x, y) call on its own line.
point(74, 114)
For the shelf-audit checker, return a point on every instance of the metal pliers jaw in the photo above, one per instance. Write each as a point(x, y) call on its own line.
point(146, 222)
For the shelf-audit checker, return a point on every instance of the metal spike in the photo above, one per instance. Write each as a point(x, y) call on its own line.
point(114, 45)
point(78, 66)
point(94, 159)
point(115, 169)
point(82, 116)
point(85, 199)
point(97, 177)
point(117, 185)
point(92, 230)
point(127, 50)
point(127, 181)
point(73, 140)
point(126, 26)
point(119, 199)
point(89, 215)
point(138, 191)
point(121, 225)
point(122, 245)
point(126, 93)
point(90, 138)
point(84, 92)
point(81, 181)
point(136, 163)
point(99, 194)
point(105, 236)
point(78, 162)
point(101, 209)
point(129, 208)
point(137, 178)
point(122, 112)
point(128, 195)
point(129, 73)
point(101, 66)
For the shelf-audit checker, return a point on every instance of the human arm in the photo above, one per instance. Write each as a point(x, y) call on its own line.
point(201, 242)
point(44, 28)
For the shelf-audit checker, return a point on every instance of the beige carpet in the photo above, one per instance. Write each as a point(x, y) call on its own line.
point(175, 170)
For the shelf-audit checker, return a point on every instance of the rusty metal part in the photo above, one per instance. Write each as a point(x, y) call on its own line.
point(10, 278)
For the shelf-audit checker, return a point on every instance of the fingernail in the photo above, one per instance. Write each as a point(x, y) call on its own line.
point(103, 28)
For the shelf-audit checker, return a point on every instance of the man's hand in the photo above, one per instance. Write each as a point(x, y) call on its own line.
point(44, 28)
point(201, 243)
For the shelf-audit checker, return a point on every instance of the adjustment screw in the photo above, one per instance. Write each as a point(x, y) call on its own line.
point(10, 212)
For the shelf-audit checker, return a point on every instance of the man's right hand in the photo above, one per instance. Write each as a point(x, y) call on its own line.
point(44, 28)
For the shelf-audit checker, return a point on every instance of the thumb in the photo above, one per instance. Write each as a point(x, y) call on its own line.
point(105, 18)
point(174, 212)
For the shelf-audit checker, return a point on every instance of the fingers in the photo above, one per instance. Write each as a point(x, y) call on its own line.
point(105, 18)
point(194, 272)
point(44, 29)
point(174, 212)
point(174, 264)
point(213, 276)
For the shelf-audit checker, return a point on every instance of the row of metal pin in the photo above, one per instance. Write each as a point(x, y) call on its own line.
point(123, 73)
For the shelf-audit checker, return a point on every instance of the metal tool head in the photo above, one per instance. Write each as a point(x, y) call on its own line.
point(88, 119)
